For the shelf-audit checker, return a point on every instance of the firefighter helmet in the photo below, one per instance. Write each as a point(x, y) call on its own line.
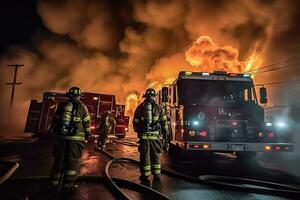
point(150, 92)
point(74, 92)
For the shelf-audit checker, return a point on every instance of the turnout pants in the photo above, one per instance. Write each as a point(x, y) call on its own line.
point(66, 164)
point(103, 138)
point(150, 151)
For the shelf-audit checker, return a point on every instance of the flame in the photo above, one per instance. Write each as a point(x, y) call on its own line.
point(253, 62)
point(203, 55)
point(131, 103)
point(209, 56)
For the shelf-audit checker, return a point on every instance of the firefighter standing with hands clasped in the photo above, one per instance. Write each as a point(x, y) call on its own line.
point(107, 125)
point(150, 123)
point(71, 124)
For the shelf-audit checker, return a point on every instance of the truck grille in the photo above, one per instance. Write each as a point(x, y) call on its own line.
point(228, 130)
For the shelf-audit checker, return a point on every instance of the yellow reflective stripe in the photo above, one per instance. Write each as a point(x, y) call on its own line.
point(76, 138)
point(157, 171)
point(87, 118)
point(150, 137)
point(77, 119)
point(68, 107)
point(146, 173)
point(151, 133)
point(70, 172)
point(155, 118)
point(147, 167)
point(156, 166)
point(80, 134)
point(67, 116)
point(163, 118)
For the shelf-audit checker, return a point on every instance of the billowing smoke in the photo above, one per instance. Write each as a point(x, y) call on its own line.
point(124, 46)
point(209, 56)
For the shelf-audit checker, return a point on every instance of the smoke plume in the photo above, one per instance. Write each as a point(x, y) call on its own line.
point(123, 46)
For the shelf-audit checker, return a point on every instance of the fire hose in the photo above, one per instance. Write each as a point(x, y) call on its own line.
point(9, 173)
point(235, 183)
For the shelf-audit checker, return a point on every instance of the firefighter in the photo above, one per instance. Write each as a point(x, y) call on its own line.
point(71, 125)
point(150, 123)
point(107, 125)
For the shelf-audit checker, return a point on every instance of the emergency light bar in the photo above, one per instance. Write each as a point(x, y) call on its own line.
point(214, 74)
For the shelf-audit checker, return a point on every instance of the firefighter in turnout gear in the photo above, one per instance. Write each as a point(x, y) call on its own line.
point(150, 123)
point(107, 125)
point(71, 125)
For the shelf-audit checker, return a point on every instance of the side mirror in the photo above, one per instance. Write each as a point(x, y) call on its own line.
point(165, 94)
point(263, 95)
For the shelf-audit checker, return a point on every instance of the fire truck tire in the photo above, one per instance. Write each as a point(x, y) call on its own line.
point(245, 155)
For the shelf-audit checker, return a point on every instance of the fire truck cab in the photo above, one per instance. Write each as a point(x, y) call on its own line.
point(40, 114)
point(218, 112)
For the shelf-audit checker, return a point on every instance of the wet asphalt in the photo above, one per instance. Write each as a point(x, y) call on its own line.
point(36, 159)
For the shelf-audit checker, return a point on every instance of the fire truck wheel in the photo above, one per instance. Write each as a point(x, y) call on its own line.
point(245, 155)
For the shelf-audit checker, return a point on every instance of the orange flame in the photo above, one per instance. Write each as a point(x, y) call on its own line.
point(209, 56)
point(203, 55)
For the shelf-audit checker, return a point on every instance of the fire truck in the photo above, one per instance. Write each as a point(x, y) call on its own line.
point(219, 112)
point(40, 114)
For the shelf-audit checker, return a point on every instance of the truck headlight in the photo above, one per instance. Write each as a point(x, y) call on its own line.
point(196, 123)
point(281, 124)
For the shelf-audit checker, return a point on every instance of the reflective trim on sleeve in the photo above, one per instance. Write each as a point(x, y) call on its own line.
point(163, 118)
point(87, 118)
point(66, 116)
point(77, 119)
point(136, 120)
point(68, 107)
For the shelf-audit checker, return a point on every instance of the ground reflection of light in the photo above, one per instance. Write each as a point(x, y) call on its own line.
point(91, 163)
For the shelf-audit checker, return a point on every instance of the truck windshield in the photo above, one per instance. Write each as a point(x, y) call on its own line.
point(212, 92)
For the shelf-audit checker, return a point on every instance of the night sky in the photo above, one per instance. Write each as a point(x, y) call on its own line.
point(18, 20)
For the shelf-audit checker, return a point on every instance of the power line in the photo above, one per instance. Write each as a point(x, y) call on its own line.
point(278, 68)
point(13, 85)
point(279, 82)
point(272, 65)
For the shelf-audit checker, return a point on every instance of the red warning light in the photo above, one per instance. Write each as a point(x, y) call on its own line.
point(203, 133)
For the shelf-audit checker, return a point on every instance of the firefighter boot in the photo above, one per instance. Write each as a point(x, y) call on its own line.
point(156, 184)
point(145, 180)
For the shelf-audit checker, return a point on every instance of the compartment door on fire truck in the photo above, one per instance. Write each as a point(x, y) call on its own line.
point(33, 117)
point(107, 103)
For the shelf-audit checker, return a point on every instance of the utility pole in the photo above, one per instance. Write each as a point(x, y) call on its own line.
point(13, 85)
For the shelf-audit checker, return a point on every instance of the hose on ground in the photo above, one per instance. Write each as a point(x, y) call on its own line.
point(242, 184)
point(13, 167)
